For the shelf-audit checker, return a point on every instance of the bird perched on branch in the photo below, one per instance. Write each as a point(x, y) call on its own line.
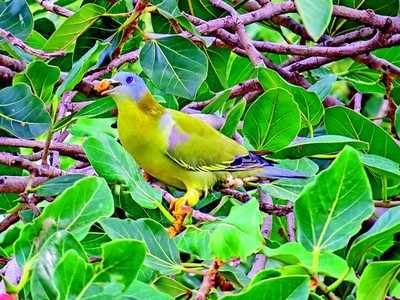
point(179, 149)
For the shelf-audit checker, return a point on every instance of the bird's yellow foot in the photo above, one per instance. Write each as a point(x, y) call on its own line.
point(180, 208)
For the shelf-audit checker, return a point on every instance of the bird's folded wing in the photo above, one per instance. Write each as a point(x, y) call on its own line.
point(195, 145)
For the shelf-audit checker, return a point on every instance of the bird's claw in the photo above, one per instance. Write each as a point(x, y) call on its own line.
point(233, 182)
point(179, 210)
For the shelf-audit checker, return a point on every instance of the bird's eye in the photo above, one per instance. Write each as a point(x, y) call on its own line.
point(129, 79)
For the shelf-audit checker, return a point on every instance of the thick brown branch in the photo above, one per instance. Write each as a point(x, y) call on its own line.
point(64, 149)
point(8, 36)
point(59, 10)
point(12, 63)
point(17, 184)
point(11, 160)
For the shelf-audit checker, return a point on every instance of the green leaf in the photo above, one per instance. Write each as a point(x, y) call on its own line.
point(218, 59)
point(21, 113)
point(94, 109)
point(41, 77)
point(171, 287)
point(279, 288)
point(331, 209)
point(141, 290)
point(238, 235)
point(303, 165)
point(324, 144)
point(16, 18)
point(315, 15)
point(272, 121)
point(80, 67)
point(73, 27)
point(121, 261)
point(195, 241)
point(162, 253)
point(88, 200)
point(376, 279)
point(344, 121)
point(167, 8)
point(111, 161)
point(42, 284)
point(241, 70)
point(285, 189)
point(72, 275)
point(381, 165)
point(375, 241)
point(217, 102)
point(309, 104)
point(233, 118)
point(57, 185)
point(323, 87)
point(175, 65)
point(295, 254)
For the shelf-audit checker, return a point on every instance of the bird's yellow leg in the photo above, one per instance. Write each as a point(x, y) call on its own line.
point(181, 207)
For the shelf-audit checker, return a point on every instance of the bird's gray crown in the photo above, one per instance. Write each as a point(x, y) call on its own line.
point(131, 85)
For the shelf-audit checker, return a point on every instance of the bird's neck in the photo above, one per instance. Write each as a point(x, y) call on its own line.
point(150, 106)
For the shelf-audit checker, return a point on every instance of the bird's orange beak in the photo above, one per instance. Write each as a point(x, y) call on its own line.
point(106, 86)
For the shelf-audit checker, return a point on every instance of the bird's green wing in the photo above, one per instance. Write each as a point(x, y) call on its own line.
point(195, 145)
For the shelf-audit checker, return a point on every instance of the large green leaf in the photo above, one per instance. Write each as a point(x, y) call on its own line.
point(309, 104)
point(381, 165)
point(324, 144)
point(71, 275)
point(279, 288)
point(330, 264)
point(238, 235)
point(272, 121)
point(233, 118)
point(162, 253)
point(21, 113)
point(344, 121)
point(16, 17)
point(175, 65)
point(218, 59)
point(73, 27)
point(41, 77)
point(42, 284)
point(195, 241)
point(80, 67)
point(331, 209)
point(112, 162)
point(141, 290)
point(88, 200)
point(376, 240)
point(167, 8)
point(120, 264)
point(376, 279)
point(286, 189)
point(316, 16)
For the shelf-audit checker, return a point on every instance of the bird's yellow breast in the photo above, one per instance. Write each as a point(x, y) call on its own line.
point(142, 137)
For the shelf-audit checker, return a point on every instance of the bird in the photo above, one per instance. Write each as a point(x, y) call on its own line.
point(178, 149)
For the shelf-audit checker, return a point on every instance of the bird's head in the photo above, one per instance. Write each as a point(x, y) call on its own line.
point(125, 84)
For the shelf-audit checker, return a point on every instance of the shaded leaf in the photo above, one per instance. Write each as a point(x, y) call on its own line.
point(377, 240)
point(233, 118)
point(175, 65)
point(376, 279)
point(315, 15)
point(21, 113)
point(57, 185)
point(344, 121)
point(80, 67)
point(272, 121)
point(41, 77)
point(324, 144)
point(16, 17)
point(381, 165)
